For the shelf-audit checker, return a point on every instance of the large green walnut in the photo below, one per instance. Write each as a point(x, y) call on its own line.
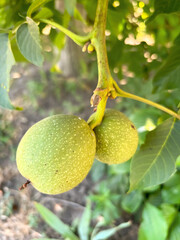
point(56, 153)
point(116, 138)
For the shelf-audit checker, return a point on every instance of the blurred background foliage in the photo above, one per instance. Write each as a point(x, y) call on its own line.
point(143, 44)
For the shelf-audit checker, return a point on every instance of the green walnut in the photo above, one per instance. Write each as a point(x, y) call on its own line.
point(116, 138)
point(56, 153)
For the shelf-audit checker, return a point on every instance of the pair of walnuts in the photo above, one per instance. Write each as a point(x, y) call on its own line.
point(57, 153)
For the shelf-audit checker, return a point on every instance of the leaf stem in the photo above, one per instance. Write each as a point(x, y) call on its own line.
point(79, 40)
point(122, 93)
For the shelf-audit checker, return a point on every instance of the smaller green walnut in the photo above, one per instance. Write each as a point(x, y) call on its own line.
point(116, 138)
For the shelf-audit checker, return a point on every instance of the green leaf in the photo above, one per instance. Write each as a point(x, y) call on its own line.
point(90, 7)
point(114, 17)
point(168, 75)
point(106, 234)
point(151, 189)
point(43, 13)
point(35, 5)
point(178, 162)
point(53, 221)
point(175, 230)
point(17, 54)
point(119, 169)
point(96, 228)
point(83, 227)
point(153, 225)
point(155, 161)
point(70, 6)
point(6, 63)
point(169, 213)
point(28, 40)
point(164, 6)
point(171, 190)
point(155, 198)
point(97, 171)
point(132, 201)
point(78, 16)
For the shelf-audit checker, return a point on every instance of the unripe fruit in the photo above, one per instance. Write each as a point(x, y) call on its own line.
point(56, 153)
point(116, 138)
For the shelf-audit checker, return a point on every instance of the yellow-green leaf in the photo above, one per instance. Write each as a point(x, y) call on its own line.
point(155, 162)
